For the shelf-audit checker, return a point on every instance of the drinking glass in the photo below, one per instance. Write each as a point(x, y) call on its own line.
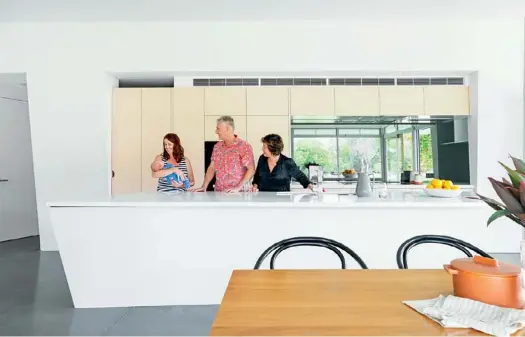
point(382, 190)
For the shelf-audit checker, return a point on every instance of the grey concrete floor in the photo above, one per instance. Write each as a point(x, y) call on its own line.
point(35, 300)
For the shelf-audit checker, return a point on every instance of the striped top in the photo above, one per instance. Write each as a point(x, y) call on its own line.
point(165, 186)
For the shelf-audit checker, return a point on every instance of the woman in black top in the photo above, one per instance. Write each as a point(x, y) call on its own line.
point(274, 170)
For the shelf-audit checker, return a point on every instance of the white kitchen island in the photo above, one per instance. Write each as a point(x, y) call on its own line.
point(155, 249)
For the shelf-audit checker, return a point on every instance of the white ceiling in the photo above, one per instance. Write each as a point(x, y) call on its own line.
point(250, 10)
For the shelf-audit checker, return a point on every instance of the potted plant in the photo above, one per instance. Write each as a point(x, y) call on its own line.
point(512, 205)
point(511, 193)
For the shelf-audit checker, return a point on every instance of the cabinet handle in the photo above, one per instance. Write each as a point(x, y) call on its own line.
point(4, 180)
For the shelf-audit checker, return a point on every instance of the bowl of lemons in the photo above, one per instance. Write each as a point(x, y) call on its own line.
point(442, 189)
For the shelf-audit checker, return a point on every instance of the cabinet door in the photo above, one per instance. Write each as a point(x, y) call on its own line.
point(229, 101)
point(210, 124)
point(447, 100)
point(259, 126)
point(401, 101)
point(156, 123)
point(126, 128)
point(188, 124)
point(312, 101)
point(267, 101)
point(357, 101)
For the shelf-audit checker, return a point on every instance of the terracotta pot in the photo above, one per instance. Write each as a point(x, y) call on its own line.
point(486, 280)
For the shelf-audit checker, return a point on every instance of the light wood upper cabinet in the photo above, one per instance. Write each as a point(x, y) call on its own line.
point(156, 123)
point(126, 129)
point(356, 101)
point(447, 100)
point(188, 124)
point(210, 125)
point(312, 101)
point(225, 101)
point(259, 126)
point(267, 101)
point(401, 101)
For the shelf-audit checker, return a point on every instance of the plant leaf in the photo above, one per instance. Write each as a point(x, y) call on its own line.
point(506, 182)
point(515, 192)
point(519, 164)
point(491, 202)
point(522, 194)
point(515, 176)
point(513, 204)
point(498, 214)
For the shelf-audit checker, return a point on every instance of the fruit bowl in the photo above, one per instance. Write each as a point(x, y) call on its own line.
point(442, 193)
point(350, 176)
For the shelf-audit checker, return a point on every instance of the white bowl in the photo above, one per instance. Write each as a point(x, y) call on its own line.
point(441, 193)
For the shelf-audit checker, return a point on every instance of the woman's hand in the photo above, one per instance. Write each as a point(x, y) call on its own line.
point(197, 189)
point(255, 188)
point(310, 187)
point(178, 172)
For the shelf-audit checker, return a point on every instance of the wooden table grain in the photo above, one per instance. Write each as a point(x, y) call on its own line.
point(331, 303)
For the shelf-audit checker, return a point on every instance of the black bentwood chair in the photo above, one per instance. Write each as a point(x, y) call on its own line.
point(312, 241)
point(465, 247)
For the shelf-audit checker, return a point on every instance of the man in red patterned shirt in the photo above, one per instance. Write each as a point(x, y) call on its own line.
point(232, 161)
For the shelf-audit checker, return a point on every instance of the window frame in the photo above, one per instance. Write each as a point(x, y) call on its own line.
point(416, 146)
point(337, 136)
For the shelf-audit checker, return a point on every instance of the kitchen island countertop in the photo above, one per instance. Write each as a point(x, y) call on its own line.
point(304, 199)
point(180, 249)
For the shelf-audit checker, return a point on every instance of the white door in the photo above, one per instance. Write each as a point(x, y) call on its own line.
point(18, 215)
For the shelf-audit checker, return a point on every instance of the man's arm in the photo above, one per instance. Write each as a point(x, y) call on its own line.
point(249, 163)
point(208, 176)
point(210, 173)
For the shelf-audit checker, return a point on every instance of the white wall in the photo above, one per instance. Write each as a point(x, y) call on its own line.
point(18, 211)
point(69, 89)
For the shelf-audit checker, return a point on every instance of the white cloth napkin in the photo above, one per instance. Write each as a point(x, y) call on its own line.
point(456, 312)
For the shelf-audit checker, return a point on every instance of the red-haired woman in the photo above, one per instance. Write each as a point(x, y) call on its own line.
point(171, 161)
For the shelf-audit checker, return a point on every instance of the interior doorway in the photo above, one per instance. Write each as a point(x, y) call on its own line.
point(18, 212)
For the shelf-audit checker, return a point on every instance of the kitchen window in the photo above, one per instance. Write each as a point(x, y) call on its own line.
point(408, 148)
point(337, 149)
point(389, 150)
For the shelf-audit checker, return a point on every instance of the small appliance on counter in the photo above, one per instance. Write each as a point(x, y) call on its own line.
point(315, 173)
point(411, 177)
point(405, 177)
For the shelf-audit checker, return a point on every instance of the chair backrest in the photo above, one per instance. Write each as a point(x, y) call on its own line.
point(312, 241)
point(461, 245)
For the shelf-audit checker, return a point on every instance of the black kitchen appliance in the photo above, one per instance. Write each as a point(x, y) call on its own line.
point(208, 150)
point(405, 177)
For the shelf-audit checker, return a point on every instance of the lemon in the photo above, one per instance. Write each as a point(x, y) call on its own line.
point(436, 183)
point(430, 186)
point(454, 187)
point(448, 184)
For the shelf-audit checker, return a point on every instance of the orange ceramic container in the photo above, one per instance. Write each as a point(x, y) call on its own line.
point(486, 280)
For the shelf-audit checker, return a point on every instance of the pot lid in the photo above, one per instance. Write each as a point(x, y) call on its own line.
point(485, 266)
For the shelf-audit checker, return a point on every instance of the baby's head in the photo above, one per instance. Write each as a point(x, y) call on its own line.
point(158, 166)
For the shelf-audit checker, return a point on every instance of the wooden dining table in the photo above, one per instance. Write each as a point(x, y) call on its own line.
point(331, 303)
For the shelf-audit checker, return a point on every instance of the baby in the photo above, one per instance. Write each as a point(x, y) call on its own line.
point(173, 177)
